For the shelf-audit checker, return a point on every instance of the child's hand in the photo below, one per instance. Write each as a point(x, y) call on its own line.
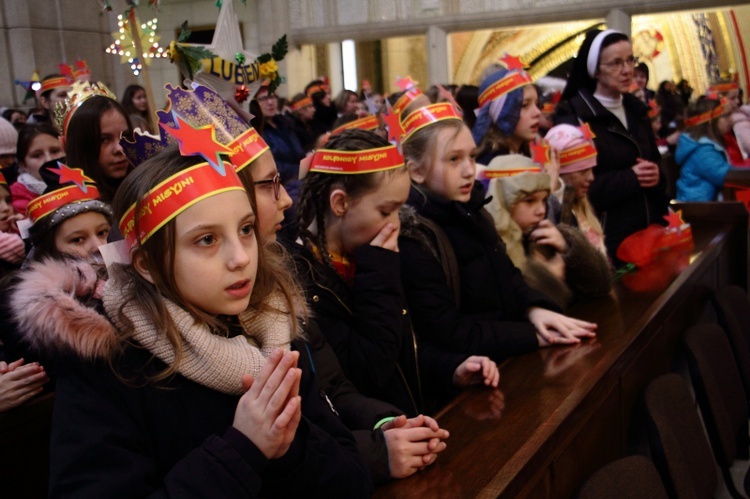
point(476, 370)
point(412, 444)
point(647, 172)
point(553, 167)
point(546, 233)
point(557, 329)
point(269, 412)
point(387, 238)
point(554, 265)
point(19, 382)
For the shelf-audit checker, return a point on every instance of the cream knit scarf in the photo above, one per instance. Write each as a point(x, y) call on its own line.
point(209, 359)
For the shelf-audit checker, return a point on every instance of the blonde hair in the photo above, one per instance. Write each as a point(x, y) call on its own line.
point(420, 149)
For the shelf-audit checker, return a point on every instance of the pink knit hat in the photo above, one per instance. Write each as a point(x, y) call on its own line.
point(575, 145)
point(8, 137)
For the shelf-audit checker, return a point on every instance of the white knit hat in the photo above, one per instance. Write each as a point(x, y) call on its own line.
point(8, 137)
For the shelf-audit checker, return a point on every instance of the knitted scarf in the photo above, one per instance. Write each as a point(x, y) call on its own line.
point(209, 359)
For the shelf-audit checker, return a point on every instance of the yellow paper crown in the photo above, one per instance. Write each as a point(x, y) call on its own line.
point(80, 93)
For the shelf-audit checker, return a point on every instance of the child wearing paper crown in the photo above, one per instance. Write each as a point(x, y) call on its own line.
point(178, 387)
point(476, 302)
point(12, 251)
point(557, 261)
point(508, 115)
point(349, 225)
point(701, 152)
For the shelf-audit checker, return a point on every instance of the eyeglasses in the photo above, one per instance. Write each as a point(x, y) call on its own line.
point(275, 182)
point(630, 62)
point(266, 97)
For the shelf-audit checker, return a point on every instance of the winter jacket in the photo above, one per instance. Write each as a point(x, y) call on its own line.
point(703, 166)
point(368, 327)
point(22, 196)
point(114, 434)
point(623, 206)
point(490, 318)
point(285, 147)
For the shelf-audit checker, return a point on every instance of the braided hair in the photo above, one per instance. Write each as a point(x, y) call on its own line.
point(313, 204)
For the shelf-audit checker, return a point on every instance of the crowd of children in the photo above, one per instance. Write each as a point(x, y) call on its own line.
point(281, 309)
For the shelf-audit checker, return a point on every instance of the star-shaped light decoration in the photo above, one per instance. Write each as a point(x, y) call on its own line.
point(540, 153)
point(675, 220)
point(74, 175)
point(393, 125)
point(198, 141)
point(513, 63)
point(124, 46)
point(585, 129)
point(406, 83)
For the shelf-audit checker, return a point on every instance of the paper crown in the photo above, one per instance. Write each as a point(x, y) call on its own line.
point(515, 78)
point(411, 92)
point(67, 185)
point(199, 108)
point(79, 93)
point(575, 146)
point(173, 196)
point(426, 116)
point(81, 70)
point(320, 87)
point(303, 102)
point(654, 109)
point(366, 123)
point(2, 180)
point(712, 114)
point(718, 88)
point(53, 82)
point(354, 162)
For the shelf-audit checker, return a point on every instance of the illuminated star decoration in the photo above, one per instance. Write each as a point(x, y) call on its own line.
point(540, 154)
point(513, 63)
point(198, 141)
point(406, 83)
point(585, 129)
point(125, 47)
point(393, 124)
point(74, 175)
point(675, 220)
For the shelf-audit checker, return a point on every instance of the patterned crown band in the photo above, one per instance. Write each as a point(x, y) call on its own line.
point(426, 116)
point(48, 203)
point(403, 102)
point(80, 93)
point(247, 148)
point(173, 196)
point(317, 88)
point(355, 162)
point(714, 113)
point(508, 83)
point(54, 82)
point(366, 123)
point(578, 153)
point(304, 102)
point(723, 87)
point(489, 174)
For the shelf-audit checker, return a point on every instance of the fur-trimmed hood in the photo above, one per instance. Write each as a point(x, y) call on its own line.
point(56, 307)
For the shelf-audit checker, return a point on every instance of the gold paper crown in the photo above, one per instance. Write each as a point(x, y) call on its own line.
point(80, 93)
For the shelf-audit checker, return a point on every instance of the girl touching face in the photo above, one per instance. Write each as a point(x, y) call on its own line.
point(43, 148)
point(530, 210)
point(451, 174)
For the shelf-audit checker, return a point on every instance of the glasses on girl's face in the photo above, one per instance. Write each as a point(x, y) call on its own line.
point(266, 97)
point(630, 62)
point(275, 182)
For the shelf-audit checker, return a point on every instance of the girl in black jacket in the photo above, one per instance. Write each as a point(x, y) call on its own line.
point(190, 390)
point(349, 264)
point(477, 302)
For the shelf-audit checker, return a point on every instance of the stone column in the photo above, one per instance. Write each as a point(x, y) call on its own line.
point(335, 70)
point(437, 57)
point(619, 20)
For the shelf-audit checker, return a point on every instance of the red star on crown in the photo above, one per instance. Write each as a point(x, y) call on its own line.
point(199, 141)
point(406, 83)
point(393, 124)
point(675, 220)
point(585, 129)
point(74, 175)
point(513, 63)
point(540, 154)
point(65, 70)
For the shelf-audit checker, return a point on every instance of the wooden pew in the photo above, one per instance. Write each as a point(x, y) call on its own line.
point(561, 413)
